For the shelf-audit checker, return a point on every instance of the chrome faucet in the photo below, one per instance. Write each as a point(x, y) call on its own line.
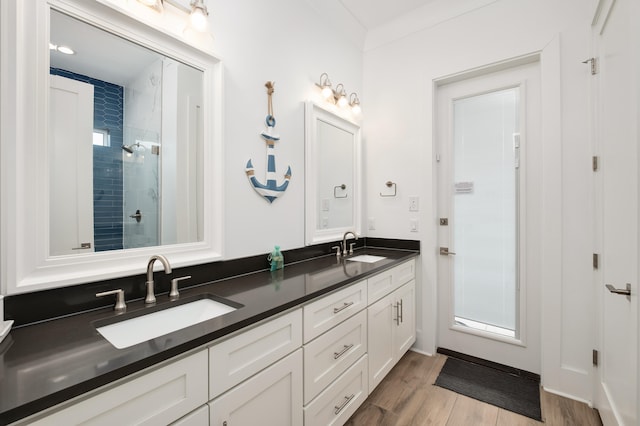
point(151, 298)
point(344, 242)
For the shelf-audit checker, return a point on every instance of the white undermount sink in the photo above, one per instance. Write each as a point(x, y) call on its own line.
point(367, 258)
point(146, 327)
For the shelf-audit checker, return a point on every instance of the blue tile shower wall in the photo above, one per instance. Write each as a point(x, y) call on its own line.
point(108, 114)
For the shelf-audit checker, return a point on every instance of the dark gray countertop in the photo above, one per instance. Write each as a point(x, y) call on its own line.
point(45, 364)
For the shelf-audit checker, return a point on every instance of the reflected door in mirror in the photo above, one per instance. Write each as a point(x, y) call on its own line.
point(146, 110)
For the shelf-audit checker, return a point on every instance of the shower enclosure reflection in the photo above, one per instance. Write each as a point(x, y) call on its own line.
point(126, 143)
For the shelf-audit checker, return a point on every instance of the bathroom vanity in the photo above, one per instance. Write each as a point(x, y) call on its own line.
point(306, 345)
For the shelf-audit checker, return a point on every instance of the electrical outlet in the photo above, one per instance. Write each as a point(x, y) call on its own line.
point(413, 225)
point(414, 204)
point(372, 224)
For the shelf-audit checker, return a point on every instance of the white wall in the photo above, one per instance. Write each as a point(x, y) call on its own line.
point(285, 41)
point(398, 128)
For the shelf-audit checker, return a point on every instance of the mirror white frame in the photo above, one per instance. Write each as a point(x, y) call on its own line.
point(24, 81)
point(315, 113)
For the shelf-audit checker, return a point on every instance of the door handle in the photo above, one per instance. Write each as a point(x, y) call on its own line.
point(83, 246)
point(625, 292)
point(445, 251)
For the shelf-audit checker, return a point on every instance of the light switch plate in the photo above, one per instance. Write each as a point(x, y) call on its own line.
point(414, 204)
point(413, 225)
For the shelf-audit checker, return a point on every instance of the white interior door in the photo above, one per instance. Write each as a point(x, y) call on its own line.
point(71, 166)
point(488, 146)
point(617, 212)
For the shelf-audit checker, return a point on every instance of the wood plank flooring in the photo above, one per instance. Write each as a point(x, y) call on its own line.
point(407, 396)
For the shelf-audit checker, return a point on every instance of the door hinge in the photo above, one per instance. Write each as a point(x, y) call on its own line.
point(595, 260)
point(594, 163)
point(444, 221)
point(595, 357)
point(594, 65)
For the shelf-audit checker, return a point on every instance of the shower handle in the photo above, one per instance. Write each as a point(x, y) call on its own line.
point(137, 216)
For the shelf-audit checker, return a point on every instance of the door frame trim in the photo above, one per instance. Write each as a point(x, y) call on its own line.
point(523, 292)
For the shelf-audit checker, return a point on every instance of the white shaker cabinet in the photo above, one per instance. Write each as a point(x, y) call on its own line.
point(272, 397)
point(156, 397)
point(391, 331)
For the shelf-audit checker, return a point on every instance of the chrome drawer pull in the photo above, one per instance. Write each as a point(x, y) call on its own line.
point(342, 308)
point(337, 355)
point(347, 399)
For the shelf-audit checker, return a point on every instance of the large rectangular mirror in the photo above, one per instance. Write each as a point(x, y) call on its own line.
point(333, 182)
point(125, 132)
point(112, 153)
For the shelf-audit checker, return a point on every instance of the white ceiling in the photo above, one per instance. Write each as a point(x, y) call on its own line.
point(373, 13)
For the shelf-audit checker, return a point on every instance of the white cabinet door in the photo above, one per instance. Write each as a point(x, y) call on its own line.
point(381, 324)
point(272, 397)
point(156, 398)
point(405, 332)
point(392, 331)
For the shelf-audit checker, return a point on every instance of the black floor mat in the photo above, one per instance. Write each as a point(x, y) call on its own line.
point(514, 393)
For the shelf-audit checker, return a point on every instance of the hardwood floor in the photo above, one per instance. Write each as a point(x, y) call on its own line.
point(407, 396)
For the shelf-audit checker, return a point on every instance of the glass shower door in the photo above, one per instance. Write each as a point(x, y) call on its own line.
point(141, 195)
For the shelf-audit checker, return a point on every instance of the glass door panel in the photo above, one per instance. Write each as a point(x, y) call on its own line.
point(485, 211)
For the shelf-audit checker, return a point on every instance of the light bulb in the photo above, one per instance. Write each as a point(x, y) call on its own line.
point(342, 101)
point(327, 92)
point(66, 50)
point(356, 109)
point(198, 19)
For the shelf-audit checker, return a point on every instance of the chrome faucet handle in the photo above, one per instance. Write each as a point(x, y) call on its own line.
point(120, 304)
point(351, 248)
point(338, 250)
point(174, 286)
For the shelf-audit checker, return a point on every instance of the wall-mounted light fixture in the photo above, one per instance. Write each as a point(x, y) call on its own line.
point(197, 11)
point(338, 95)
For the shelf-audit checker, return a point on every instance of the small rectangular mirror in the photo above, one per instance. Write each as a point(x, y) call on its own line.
point(333, 182)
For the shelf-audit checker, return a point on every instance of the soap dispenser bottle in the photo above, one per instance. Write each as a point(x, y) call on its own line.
point(277, 259)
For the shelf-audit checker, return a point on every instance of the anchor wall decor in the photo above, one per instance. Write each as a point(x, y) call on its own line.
point(271, 190)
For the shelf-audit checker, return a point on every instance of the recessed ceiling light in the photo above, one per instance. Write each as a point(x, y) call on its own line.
point(62, 49)
point(66, 50)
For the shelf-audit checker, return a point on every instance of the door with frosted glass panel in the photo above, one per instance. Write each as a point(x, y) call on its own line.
point(484, 210)
point(482, 127)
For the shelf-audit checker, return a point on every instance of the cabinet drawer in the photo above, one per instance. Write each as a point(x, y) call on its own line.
point(272, 397)
point(404, 273)
point(156, 398)
point(328, 356)
point(387, 281)
point(321, 315)
point(339, 401)
point(242, 356)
